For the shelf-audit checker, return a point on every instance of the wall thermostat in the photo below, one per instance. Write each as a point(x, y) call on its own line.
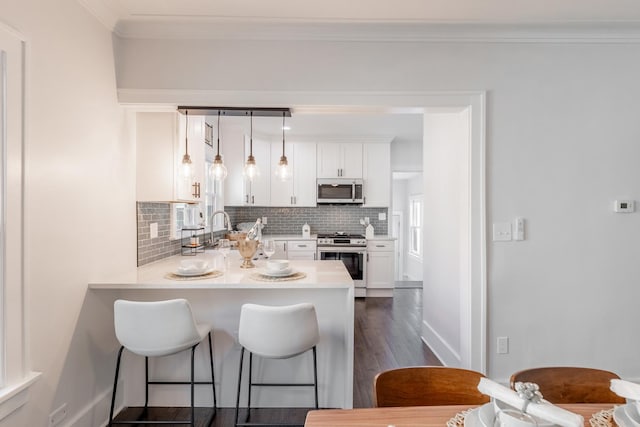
point(624, 206)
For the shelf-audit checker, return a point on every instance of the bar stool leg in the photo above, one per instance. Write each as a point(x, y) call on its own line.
point(115, 385)
point(315, 375)
point(193, 409)
point(239, 385)
point(250, 384)
point(213, 380)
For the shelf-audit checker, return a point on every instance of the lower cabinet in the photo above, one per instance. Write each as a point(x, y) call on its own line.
point(301, 249)
point(295, 249)
point(380, 264)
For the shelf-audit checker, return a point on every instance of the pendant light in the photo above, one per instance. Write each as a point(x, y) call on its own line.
point(186, 159)
point(218, 169)
point(251, 170)
point(282, 171)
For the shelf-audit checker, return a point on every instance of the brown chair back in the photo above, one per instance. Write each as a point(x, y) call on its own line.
point(571, 384)
point(427, 386)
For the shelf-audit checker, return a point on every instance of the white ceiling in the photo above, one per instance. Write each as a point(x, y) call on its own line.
point(358, 19)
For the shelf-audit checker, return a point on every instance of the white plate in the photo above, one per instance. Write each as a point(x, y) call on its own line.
point(480, 417)
point(621, 418)
point(632, 412)
point(183, 273)
point(282, 273)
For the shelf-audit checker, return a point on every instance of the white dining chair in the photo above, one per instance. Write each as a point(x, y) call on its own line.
point(276, 333)
point(156, 329)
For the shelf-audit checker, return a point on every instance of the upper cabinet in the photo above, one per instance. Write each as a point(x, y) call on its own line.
point(300, 189)
point(376, 174)
point(160, 146)
point(339, 160)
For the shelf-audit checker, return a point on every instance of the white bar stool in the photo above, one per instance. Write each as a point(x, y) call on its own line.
point(155, 329)
point(276, 333)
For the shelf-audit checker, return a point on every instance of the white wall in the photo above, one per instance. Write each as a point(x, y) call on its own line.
point(406, 156)
point(446, 235)
point(79, 205)
point(562, 135)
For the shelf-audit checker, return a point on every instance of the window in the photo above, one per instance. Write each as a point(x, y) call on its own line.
point(15, 377)
point(192, 215)
point(415, 226)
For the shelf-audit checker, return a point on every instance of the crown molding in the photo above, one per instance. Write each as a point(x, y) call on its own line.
point(220, 29)
point(99, 9)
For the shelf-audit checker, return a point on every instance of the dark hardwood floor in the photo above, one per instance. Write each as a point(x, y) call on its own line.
point(386, 335)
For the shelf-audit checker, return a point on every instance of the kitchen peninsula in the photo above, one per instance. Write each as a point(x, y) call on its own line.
point(326, 284)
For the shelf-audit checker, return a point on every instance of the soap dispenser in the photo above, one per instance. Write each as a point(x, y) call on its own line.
point(368, 231)
point(306, 231)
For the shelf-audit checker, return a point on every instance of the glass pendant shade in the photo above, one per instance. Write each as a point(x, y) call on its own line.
point(218, 169)
point(283, 172)
point(251, 170)
point(187, 169)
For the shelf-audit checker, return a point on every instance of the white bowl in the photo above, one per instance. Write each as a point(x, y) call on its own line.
point(277, 264)
point(193, 265)
point(510, 416)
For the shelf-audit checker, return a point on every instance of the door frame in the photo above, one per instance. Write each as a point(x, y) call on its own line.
point(399, 243)
point(474, 311)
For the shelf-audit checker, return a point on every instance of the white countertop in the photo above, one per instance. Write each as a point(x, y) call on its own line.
point(383, 237)
point(319, 275)
point(289, 237)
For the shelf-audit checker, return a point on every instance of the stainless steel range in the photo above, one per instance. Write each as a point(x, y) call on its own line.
point(351, 249)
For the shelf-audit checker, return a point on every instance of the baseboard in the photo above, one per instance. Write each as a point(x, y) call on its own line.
point(441, 348)
point(381, 292)
point(96, 413)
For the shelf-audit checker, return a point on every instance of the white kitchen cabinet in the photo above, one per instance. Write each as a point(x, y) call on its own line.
point(160, 145)
point(191, 188)
point(232, 151)
point(258, 191)
point(339, 160)
point(301, 249)
point(300, 189)
point(380, 264)
point(376, 174)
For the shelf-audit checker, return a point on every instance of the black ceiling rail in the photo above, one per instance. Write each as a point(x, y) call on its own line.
point(235, 111)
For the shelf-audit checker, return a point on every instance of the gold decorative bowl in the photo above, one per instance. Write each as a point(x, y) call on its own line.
point(247, 249)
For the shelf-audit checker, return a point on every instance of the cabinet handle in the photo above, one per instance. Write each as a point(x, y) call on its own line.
point(285, 246)
point(364, 200)
point(295, 200)
point(315, 256)
point(302, 246)
point(253, 200)
point(246, 197)
point(379, 246)
point(367, 257)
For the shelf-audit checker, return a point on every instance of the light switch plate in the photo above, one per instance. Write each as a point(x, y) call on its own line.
point(501, 231)
point(624, 206)
point(382, 216)
point(153, 230)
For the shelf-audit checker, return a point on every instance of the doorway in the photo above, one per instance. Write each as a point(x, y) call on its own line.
point(467, 332)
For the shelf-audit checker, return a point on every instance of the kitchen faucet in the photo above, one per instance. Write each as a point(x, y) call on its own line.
point(226, 218)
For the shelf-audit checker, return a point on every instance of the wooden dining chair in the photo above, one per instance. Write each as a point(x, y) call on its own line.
point(427, 386)
point(571, 384)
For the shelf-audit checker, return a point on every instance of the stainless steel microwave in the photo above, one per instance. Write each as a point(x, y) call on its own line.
point(340, 191)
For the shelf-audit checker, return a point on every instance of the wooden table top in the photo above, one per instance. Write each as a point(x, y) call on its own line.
point(422, 416)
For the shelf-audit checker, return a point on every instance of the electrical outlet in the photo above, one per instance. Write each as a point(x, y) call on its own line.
point(153, 230)
point(503, 345)
point(264, 220)
point(57, 416)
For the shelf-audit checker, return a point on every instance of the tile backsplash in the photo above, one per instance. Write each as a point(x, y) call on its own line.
point(321, 219)
point(149, 249)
